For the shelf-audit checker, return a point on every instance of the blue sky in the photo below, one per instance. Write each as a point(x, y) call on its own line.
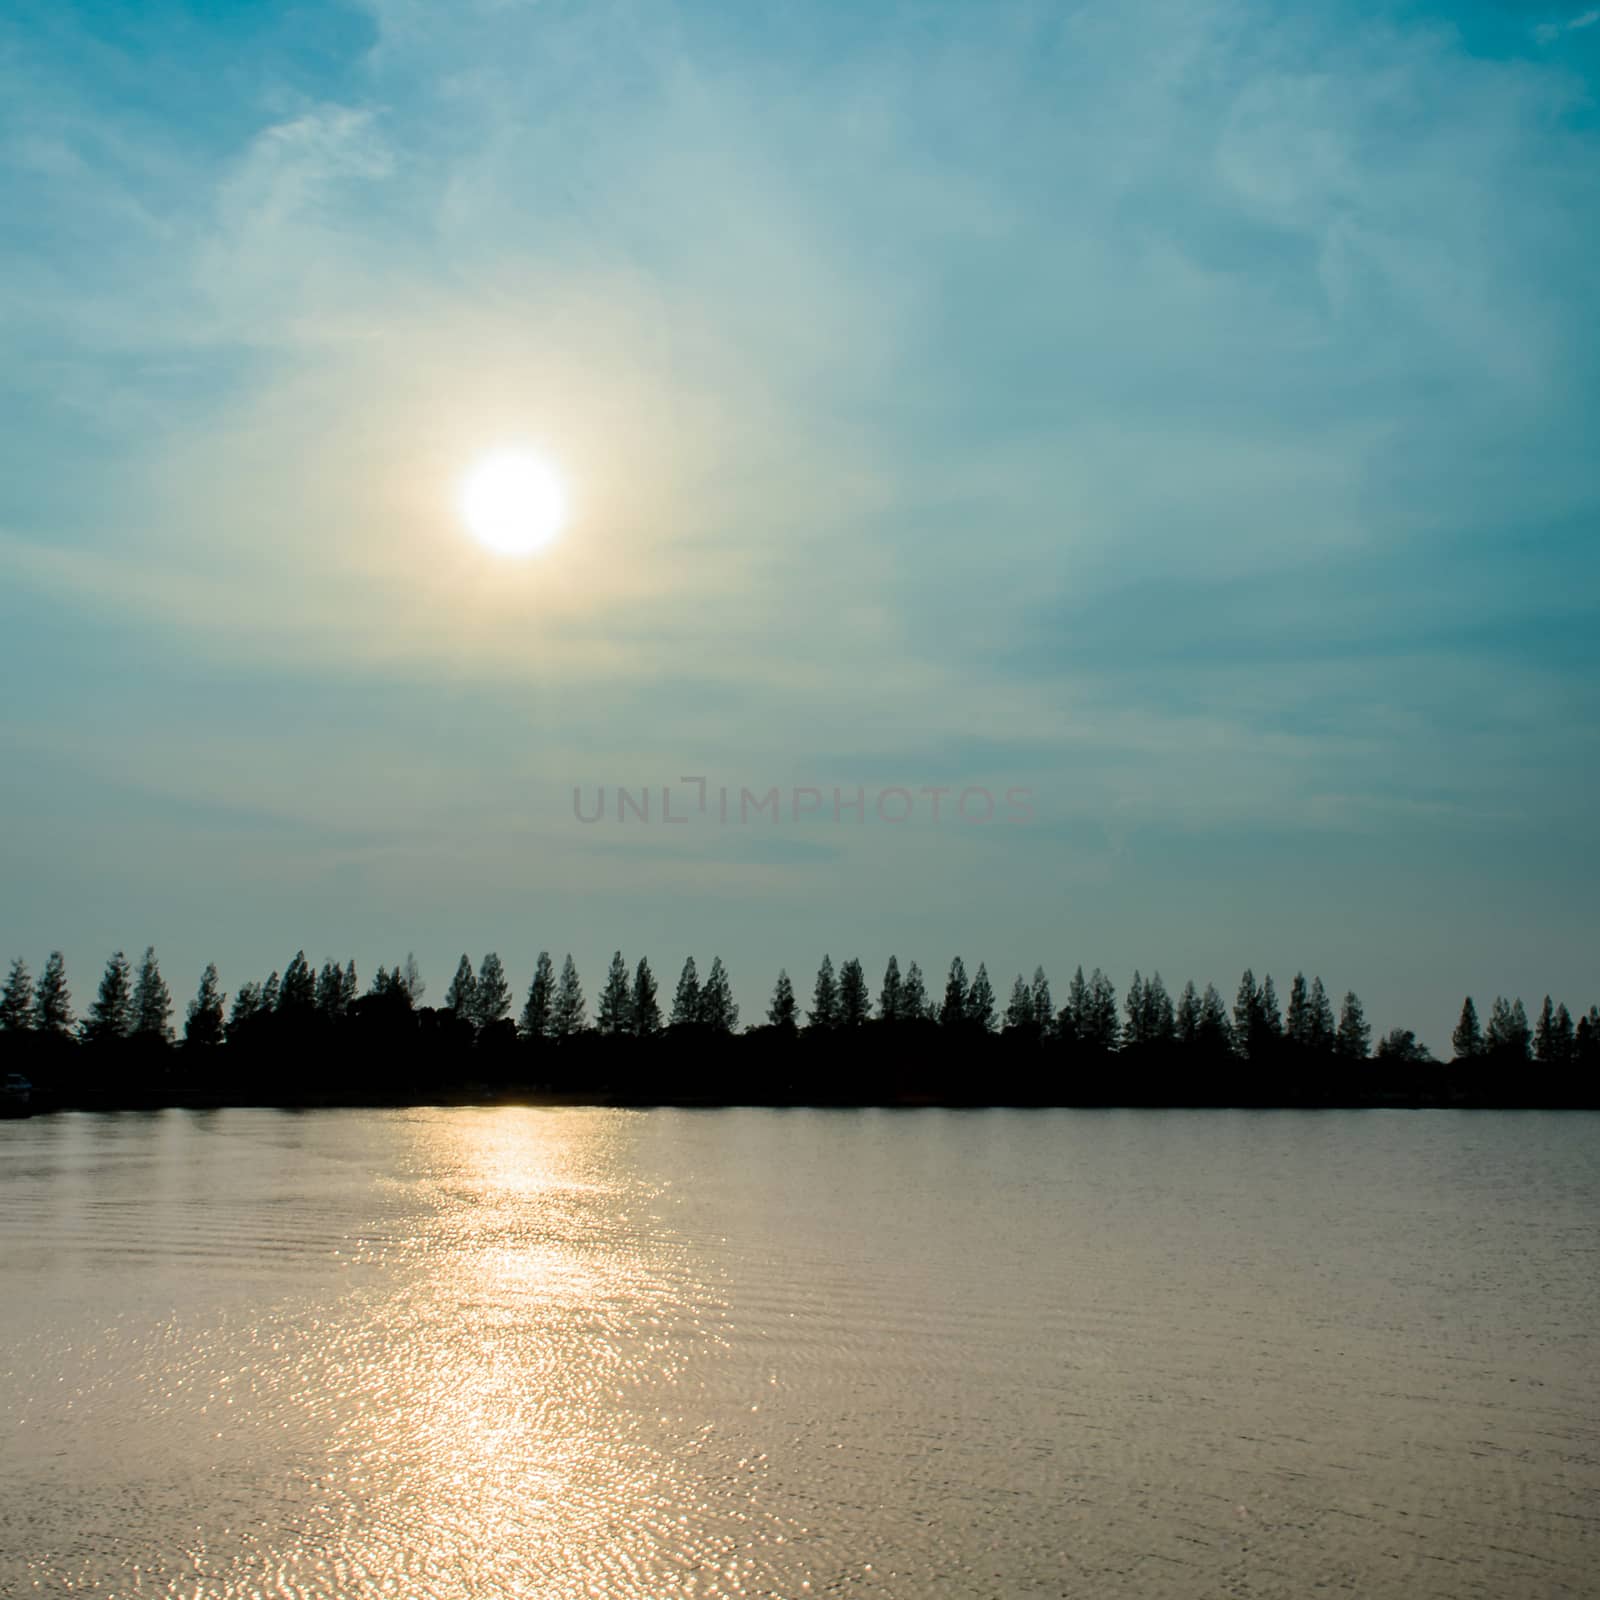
point(1184, 411)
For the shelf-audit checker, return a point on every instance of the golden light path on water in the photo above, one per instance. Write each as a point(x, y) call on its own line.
point(456, 1355)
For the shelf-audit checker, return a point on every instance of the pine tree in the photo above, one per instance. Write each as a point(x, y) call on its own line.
point(247, 1007)
point(110, 1017)
point(297, 993)
point(1044, 1015)
point(980, 1001)
point(461, 998)
point(1271, 1019)
point(1564, 1037)
point(1246, 1012)
point(855, 1004)
point(381, 981)
point(1099, 1028)
point(330, 992)
point(1160, 1025)
point(540, 1005)
point(644, 1010)
point(1543, 1031)
point(686, 998)
point(1467, 1040)
point(493, 994)
point(1134, 1003)
point(914, 1005)
point(1019, 1008)
point(152, 1002)
point(1074, 1015)
point(1215, 1034)
point(52, 1000)
point(569, 1013)
point(717, 1009)
point(1353, 1036)
point(1297, 1023)
point(615, 1014)
point(202, 1026)
point(1188, 1018)
point(16, 1000)
point(347, 989)
point(889, 996)
point(1507, 1036)
point(825, 997)
point(272, 989)
point(1323, 1028)
point(782, 1012)
point(953, 1013)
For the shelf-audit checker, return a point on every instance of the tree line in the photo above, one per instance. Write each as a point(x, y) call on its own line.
point(309, 1033)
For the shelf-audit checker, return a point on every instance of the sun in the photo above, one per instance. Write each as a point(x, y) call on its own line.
point(513, 502)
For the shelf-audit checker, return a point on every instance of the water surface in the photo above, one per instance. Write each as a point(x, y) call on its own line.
point(462, 1354)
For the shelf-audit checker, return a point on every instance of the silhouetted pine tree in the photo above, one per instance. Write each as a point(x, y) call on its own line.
point(539, 1007)
point(980, 1001)
point(1297, 1020)
point(1351, 1041)
point(1467, 1040)
point(953, 1013)
point(16, 1000)
point(330, 993)
point(1323, 1028)
point(247, 1009)
point(1507, 1037)
point(644, 1009)
point(889, 996)
point(297, 993)
point(272, 988)
point(717, 1009)
point(1187, 1021)
point(1400, 1046)
point(783, 1012)
point(110, 1017)
point(1044, 1015)
point(855, 1005)
point(1098, 1027)
point(1215, 1033)
point(1543, 1029)
point(825, 997)
point(1074, 1014)
point(461, 998)
point(493, 993)
point(202, 1027)
point(347, 989)
point(615, 1011)
point(914, 1003)
point(152, 1002)
point(569, 1013)
point(686, 998)
point(1019, 1009)
point(52, 1000)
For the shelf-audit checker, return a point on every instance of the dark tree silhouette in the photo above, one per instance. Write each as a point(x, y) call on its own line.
point(461, 998)
point(953, 1012)
point(855, 1005)
point(644, 1010)
point(615, 1012)
point(825, 997)
point(782, 1012)
point(52, 1001)
point(686, 998)
point(152, 1002)
point(889, 996)
point(1044, 1015)
point(1354, 1034)
point(717, 1011)
point(1467, 1040)
point(492, 993)
point(914, 1003)
point(16, 1000)
point(202, 1026)
point(1019, 1008)
point(979, 1010)
point(569, 1013)
point(110, 1017)
point(540, 1006)
point(1402, 1045)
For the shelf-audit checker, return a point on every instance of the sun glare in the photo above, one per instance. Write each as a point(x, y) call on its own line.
point(513, 503)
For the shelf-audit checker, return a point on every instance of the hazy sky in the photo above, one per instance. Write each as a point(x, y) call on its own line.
point(1185, 411)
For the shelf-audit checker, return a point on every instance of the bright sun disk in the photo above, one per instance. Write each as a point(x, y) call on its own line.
point(513, 503)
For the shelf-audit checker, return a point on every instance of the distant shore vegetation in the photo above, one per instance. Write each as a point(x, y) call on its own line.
point(315, 1035)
